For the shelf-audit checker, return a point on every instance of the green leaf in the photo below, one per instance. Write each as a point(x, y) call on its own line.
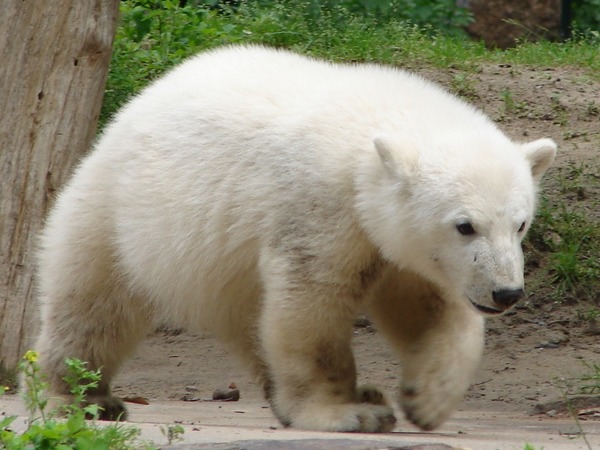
point(75, 422)
point(93, 443)
point(5, 423)
point(92, 410)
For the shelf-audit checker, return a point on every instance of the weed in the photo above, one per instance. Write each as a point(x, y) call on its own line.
point(574, 263)
point(592, 109)
point(464, 86)
point(591, 315)
point(566, 388)
point(573, 180)
point(591, 381)
point(581, 432)
point(511, 106)
point(507, 98)
point(560, 110)
point(73, 431)
point(566, 268)
point(173, 433)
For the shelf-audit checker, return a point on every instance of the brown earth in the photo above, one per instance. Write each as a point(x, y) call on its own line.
point(503, 23)
point(533, 353)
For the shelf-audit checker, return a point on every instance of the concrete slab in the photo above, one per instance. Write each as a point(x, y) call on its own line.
point(250, 425)
point(309, 444)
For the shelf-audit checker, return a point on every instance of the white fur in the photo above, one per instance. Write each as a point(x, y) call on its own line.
point(270, 198)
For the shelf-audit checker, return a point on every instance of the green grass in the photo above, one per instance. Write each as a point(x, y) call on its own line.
point(152, 39)
point(567, 229)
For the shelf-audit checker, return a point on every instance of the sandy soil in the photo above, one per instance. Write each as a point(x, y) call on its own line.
point(531, 353)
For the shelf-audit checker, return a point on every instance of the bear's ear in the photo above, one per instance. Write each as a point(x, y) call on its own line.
point(399, 155)
point(540, 155)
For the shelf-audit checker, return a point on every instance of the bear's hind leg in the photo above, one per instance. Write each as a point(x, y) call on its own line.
point(88, 309)
point(99, 331)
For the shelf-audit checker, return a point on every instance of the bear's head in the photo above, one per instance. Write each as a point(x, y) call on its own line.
point(455, 210)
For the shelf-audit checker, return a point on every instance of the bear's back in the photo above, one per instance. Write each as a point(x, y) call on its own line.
point(253, 86)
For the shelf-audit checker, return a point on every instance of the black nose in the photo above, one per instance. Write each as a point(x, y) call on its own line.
point(508, 297)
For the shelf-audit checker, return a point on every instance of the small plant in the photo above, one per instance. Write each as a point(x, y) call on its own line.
point(591, 380)
point(81, 380)
point(588, 383)
point(591, 315)
point(72, 431)
point(464, 87)
point(592, 109)
point(173, 433)
point(560, 111)
point(573, 179)
point(35, 401)
point(511, 106)
point(507, 98)
point(568, 271)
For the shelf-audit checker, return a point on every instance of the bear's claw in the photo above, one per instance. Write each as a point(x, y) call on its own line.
point(420, 412)
point(371, 394)
point(358, 418)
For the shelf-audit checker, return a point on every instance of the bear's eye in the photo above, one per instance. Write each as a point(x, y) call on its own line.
point(465, 228)
point(522, 227)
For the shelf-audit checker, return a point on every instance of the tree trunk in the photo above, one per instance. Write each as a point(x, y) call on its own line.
point(54, 62)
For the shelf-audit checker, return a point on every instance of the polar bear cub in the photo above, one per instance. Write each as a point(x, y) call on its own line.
point(270, 198)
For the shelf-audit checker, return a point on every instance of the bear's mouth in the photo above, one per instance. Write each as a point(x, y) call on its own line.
point(486, 309)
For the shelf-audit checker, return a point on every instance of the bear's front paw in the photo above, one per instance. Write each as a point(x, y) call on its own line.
point(371, 394)
point(362, 418)
point(111, 408)
point(423, 410)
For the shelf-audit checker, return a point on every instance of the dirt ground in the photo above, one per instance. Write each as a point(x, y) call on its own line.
point(531, 353)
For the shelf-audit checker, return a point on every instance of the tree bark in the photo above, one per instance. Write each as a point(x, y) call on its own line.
point(54, 63)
